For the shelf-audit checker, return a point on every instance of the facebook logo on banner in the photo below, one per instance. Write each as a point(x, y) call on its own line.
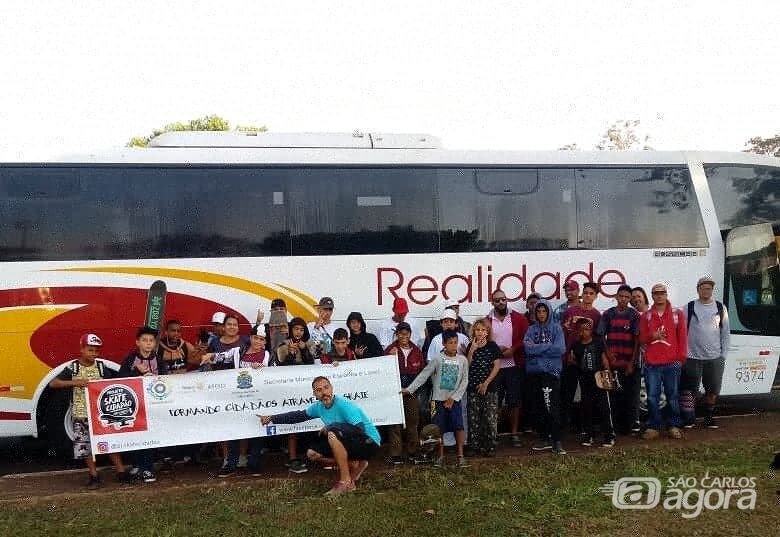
point(270, 430)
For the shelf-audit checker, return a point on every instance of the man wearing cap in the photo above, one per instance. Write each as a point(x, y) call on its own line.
point(460, 325)
point(509, 328)
point(708, 344)
point(217, 326)
point(75, 377)
point(387, 328)
point(663, 329)
point(572, 290)
point(321, 330)
point(449, 321)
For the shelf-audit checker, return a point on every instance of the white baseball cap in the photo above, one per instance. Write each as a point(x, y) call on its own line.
point(218, 318)
point(448, 314)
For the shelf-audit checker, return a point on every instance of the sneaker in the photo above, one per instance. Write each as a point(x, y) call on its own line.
point(148, 476)
point(636, 428)
point(542, 445)
point(463, 462)
point(710, 423)
point(558, 448)
point(243, 461)
point(226, 471)
point(516, 442)
point(124, 477)
point(134, 472)
point(690, 424)
point(356, 471)
point(587, 441)
point(650, 434)
point(340, 488)
point(93, 482)
point(395, 461)
point(675, 433)
point(609, 441)
point(438, 462)
point(297, 467)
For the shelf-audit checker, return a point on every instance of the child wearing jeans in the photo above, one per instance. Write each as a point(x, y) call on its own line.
point(450, 371)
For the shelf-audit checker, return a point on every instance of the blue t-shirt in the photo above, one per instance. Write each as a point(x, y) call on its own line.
point(344, 411)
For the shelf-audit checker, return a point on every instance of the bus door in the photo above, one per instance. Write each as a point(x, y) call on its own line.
point(752, 292)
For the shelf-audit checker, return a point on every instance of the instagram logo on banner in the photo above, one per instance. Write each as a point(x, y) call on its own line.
point(102, 447)
point(634, 492)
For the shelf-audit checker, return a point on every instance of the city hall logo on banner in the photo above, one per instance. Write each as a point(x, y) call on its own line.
point(244, 380)
point(160, 388)
point(117, 406)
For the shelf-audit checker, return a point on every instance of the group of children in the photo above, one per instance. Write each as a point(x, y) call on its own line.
point(561, 348)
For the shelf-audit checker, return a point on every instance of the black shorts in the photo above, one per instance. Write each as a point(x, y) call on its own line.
point(509, 383)
point(359, 446)
point(706, 372)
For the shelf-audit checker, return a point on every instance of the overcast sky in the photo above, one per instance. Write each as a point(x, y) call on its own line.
point(81, 76)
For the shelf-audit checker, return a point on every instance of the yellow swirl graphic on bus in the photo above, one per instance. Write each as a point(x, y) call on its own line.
point(299, 304)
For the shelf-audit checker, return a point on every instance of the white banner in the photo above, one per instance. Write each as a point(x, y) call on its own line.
point(147, 412)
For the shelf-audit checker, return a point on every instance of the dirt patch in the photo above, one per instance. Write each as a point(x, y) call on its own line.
point(63, 485)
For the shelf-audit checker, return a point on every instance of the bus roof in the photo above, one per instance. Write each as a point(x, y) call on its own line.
point(323, 149)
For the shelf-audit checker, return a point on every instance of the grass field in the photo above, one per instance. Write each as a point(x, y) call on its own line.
point(538, 495)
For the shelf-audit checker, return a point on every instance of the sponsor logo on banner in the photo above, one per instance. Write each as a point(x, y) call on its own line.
point(160, 389)
point(270, 430)
point(117, 406)
point(244, 380)
point(102, 447)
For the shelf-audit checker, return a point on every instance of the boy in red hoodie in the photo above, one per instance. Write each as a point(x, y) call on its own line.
point(663, 329)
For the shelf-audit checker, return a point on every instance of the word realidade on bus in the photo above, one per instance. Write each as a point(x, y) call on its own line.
point(422, 289)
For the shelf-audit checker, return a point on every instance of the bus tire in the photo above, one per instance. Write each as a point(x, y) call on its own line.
point(54, 422)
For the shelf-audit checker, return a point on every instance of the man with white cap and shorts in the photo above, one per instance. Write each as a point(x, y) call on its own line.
point(708, 344)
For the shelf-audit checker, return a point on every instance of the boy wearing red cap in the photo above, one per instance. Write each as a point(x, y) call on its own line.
point(75, 377)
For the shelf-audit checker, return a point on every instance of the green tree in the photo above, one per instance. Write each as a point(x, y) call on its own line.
point(205, 123)
point(764, 146)
point(622, 135)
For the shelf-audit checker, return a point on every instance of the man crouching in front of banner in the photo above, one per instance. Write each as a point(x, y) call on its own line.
point(348, 437)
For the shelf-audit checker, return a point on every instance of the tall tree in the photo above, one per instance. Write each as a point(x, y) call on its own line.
point(205, 123)
point(622, 135)
point(764, 146)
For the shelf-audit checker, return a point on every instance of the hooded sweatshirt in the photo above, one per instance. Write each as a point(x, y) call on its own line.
point(363, 339)
point(544, 344)
point(674, 346)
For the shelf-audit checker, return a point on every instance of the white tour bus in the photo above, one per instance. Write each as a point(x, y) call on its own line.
point(232, 220)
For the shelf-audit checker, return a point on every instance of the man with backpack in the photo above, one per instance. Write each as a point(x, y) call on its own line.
point(663, 330)
point(708, 344)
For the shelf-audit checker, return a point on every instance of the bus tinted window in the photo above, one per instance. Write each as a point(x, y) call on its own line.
point(490, 210)
point(119, 213)
point(637, 208)
point(744, 195)
point(362, 210)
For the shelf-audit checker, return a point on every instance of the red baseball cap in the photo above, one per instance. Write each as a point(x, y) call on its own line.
point(571, 284)
point(400, 305)
point(90, 340)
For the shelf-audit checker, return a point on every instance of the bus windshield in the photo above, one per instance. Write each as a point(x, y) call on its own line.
point(753, 276)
